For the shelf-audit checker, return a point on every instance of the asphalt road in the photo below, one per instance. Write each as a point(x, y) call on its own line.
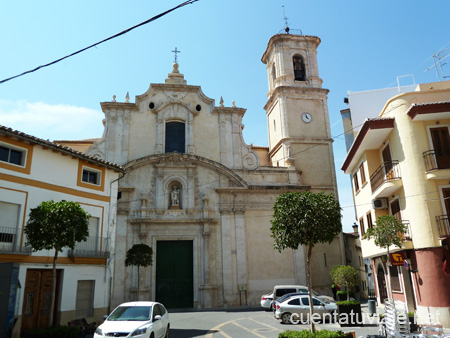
point(245, 324)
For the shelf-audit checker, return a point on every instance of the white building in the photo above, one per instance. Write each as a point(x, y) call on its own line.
point(33, 170)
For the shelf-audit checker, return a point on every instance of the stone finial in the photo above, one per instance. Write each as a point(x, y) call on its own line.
point(233, 104)
point(114, 98)
point(221, 101)
point(175, 77)
point(127, 98)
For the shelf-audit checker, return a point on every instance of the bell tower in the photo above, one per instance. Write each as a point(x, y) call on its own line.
point(297, 112)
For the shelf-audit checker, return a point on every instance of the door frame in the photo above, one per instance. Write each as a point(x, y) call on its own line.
point(36, 320)
point(198, 264)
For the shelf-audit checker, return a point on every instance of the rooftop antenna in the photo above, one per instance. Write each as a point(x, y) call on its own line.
point(438, 63)
point(286, 27)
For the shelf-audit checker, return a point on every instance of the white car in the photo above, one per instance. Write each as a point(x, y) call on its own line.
point(136, 319)
point(281, 290)
point(266, 300)
point(296, 309)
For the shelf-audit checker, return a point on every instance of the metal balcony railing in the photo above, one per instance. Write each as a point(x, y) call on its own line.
point(443, 226)
point(9, 242)
point(94, 246)
point(437, 159)
point(386, 172)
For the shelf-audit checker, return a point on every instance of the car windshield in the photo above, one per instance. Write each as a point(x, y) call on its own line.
point(131, 313)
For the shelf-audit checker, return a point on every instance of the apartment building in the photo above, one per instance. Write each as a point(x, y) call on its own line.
point(399, 162)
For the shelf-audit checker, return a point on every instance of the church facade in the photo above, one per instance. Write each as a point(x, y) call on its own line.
point(202, 198)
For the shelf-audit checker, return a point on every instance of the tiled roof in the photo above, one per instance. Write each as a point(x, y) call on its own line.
point(428, 108)
point(88, 140)
point(60, 148)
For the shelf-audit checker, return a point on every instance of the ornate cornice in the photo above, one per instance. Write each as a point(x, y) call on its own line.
point(177, 159)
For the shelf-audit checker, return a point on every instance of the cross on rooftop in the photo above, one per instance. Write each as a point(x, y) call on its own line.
point(176, 51)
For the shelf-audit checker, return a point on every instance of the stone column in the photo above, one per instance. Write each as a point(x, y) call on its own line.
point(227, 265)
point(241, 248)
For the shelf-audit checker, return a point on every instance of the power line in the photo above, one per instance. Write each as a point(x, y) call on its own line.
point(100, 42)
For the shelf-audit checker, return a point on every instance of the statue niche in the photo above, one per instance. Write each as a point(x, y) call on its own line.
point(175, 196)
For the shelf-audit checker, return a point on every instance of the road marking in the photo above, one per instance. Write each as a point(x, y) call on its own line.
point(248, 330)
point(217, 329)
point(272, 327)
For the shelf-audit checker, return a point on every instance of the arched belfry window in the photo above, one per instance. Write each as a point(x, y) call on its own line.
point(299, 68)
point(175, 137)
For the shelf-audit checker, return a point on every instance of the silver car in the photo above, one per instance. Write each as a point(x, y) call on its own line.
point(295, 310)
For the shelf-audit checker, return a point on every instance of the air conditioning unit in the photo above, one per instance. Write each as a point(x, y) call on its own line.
point(380, 203)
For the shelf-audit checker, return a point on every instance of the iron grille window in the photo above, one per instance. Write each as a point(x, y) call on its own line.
point(85, 298)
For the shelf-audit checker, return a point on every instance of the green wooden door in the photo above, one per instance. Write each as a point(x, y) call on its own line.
point(174, 274)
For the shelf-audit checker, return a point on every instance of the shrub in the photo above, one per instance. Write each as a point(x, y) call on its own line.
point(52, 332)
point(348, 302)
point(342, 295)
point(308, 334)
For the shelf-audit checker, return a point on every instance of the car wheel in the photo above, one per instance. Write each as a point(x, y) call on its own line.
point(286, 318)
point(167, 331)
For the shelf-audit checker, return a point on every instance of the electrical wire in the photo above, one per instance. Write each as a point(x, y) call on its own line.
point(100, 42)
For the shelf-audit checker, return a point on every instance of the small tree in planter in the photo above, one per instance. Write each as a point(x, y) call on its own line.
point(55, 226)
point(305, 218)
point(139, 255)
point(386, 232)
point(348, 277)
point(345, 276)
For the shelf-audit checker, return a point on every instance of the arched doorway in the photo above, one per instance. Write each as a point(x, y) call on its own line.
point(381, 284)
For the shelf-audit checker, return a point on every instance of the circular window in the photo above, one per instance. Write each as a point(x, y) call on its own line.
point(151, 105)
point(198, 107)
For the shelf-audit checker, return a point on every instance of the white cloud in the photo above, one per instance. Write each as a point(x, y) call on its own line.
point(53, 122)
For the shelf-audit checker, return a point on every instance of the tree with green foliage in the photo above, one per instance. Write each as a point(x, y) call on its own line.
point(139, 255)
point(387, 231)
point(305, 218)
point(55, 226)
point(345, 276)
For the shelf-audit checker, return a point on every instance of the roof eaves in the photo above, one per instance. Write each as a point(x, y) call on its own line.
point(60, 148)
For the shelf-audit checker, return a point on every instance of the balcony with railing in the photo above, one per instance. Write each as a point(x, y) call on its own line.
point(443, 226)
point(9, 242)
point(386, 179)
point(94, 246)
point(437, 163)
point(407, 234)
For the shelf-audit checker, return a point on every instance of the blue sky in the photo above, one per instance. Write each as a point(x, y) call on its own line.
point(365, 45)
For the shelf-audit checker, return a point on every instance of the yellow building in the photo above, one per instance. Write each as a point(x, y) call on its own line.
point(400, 165)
